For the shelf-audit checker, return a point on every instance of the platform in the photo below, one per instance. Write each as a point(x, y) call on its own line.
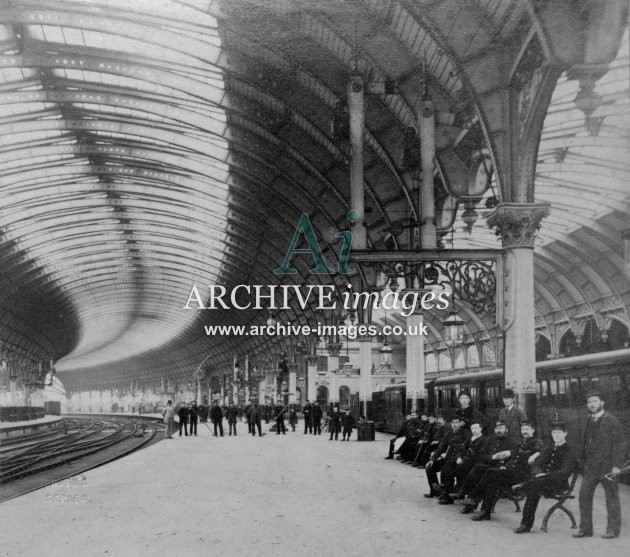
point(293, 495)
point(9, 430)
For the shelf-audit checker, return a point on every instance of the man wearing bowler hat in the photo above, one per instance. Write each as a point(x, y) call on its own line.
point(512, 415)
point(602, 453)
point(550, 474)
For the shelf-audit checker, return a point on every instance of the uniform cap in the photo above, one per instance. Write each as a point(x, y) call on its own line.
point(559, 425)
point(594, 392)
point(508, 393)
point(464, 392)
point(499, 422)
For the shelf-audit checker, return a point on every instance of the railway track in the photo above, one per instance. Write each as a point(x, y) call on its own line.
point(35, 461)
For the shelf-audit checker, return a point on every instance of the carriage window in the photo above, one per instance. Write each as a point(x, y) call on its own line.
point(562, 386)
point(554, 387)
point(544, 391)
point(585, 384)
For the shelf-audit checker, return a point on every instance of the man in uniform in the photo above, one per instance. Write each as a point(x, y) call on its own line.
point(513, 416)
point(602, 453)
point(216, 415)
point(469, 455)
point(279, 411)
point(413, 434)
point(232, 414)
point(497, 453)
point(308, 422)
point(401, 433)
point(551, 473)
point(318, 414)
point(445, 455)
point(335, 423)
point(182, 414)
point(467, 414)
point(514, 472)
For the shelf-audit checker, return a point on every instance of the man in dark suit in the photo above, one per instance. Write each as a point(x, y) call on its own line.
point(497, 453)
point(308, 423)
point(550, 474)
point(602, 453)
point(232, 414)
point(467, 414)
point(216, 415)
point(401, 433)
point(318, 414)
point(279, 413)
point(182, 414)
point(516, 471)
point(253, 414)
point(445, 455)
point(194, 417)
point(335, 423)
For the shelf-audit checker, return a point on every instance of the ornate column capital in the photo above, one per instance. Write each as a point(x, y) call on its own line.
point(292, 367)
point(334, 348)
point(517, 223)
point(311, 359)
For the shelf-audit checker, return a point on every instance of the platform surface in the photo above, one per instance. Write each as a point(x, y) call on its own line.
point(25, 423)
point(294, 495)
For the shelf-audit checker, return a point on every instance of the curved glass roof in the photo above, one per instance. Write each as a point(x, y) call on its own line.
point(113, 162)
point(150, 145)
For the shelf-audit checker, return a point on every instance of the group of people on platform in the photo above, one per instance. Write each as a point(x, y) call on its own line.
point(479, 468)
point(254, 413)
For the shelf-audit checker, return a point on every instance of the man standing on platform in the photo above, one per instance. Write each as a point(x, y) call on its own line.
point(513, 416)
point(216, 415)
point(232, 414)
point(308, 418)
point(194, 417)
point(318, 414)
point(182, 414)
point(467, 414)
point(551, 473)
point(602, 453)
point(253, 414)
point(249, 423)
point(335, 423)
point(279, 411)
point(169, 419)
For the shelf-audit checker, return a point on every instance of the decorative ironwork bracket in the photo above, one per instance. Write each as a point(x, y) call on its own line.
point(474, 276)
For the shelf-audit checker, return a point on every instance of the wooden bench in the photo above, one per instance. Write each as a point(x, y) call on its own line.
point(560, 499)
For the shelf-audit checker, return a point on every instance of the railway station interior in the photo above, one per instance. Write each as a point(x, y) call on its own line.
point(227, 201)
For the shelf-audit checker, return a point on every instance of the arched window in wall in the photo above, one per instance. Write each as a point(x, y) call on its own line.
point(344, 397)
point(322, 396)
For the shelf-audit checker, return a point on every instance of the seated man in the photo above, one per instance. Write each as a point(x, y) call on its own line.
point(424, 443)
point(514, 472)
point(439, 430)
point(407, 451)
point(551, 473)
point(399, 435)
point(472, 451)
point(444, 457)
point(466, 455)
point(496, 454)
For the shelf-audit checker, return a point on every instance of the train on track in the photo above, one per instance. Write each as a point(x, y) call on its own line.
point(562, 386)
